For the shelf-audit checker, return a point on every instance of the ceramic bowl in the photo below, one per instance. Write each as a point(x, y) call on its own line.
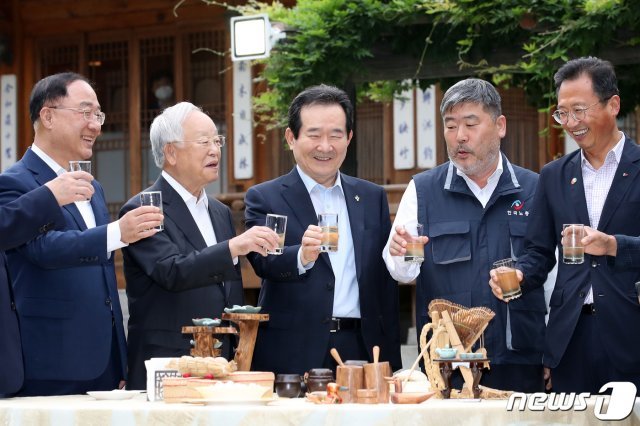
point(209, 322)
point(446, 353)
point(471, 355)
point(246, 309)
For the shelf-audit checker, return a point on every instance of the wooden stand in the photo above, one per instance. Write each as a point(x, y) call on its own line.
point(446, 369)
point(204, 339)
point(248, 325)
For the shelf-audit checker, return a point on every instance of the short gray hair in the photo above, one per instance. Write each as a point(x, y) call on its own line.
point(473, 90)
point(167, 128)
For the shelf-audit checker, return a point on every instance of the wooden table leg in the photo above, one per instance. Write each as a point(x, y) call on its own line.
point(248, 330)
point(476, 370)
point(445, 372)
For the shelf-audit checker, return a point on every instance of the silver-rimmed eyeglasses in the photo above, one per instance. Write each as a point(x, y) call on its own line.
point(89, 115)
point(578, 114)
point(217, 140)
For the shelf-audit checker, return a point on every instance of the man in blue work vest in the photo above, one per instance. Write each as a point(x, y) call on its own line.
point(474, 209)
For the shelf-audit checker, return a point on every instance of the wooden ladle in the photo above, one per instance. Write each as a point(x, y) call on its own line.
point(336, 356)
point(376, 354)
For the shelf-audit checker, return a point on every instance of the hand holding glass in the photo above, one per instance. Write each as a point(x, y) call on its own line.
point(415, 246)
point(329, 224)
point(572, 247)
point(508, 279)
point(279, 225)
point(82, 166)
point(152, 198)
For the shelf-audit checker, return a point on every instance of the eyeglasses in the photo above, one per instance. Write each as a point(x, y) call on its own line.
point(88, 114)
point(578, 114)
point(209, 142)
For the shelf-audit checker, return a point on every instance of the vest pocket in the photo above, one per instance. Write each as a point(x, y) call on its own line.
point(517, 231)
point(450, 242)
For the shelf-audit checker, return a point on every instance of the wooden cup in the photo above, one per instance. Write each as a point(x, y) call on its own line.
point(374, 378)
point(351, 377)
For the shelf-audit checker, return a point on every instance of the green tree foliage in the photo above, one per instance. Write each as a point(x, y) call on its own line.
point(512, 42)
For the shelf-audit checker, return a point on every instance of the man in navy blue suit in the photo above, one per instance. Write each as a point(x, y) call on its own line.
point(622, 251)
point(64, 280)
point(594, 319)
point(21, 220)
point(344, 299)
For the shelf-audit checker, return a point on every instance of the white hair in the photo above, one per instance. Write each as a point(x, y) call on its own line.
point(167, 128)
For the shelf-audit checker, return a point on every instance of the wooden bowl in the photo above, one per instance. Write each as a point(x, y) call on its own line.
point(411, 397)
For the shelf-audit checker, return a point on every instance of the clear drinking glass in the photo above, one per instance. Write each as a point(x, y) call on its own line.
point(152, 198)
point(279, 224)
point(329, 224)
point(415, 247)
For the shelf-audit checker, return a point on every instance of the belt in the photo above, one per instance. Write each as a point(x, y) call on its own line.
point(589, 309)
point(337, 324)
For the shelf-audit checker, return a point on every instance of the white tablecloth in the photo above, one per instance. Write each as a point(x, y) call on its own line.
point(84, 410)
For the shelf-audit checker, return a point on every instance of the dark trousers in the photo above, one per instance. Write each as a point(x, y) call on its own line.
point(514, 377)
point(108, 380)
point(350, 346)
point(585, 365)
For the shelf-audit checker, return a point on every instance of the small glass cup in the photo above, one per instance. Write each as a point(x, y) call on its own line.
point(415, 247)
point(572, 247)
point(152, 198)
point(279, 224)
point(508, 279)
point(81, 165)
point(329, 224)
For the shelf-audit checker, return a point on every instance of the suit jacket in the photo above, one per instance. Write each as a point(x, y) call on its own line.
point(628, 253)
point(21, 220)
point(65, 286)
point(560, 199)
point(296, 337)
point(173, 277)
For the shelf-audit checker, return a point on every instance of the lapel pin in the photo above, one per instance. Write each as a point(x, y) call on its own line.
point(357, 197)
point(573, 181)
point(625, 174)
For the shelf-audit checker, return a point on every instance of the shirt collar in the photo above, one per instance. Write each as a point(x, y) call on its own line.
point(186, 196)
point(310, 183)
point(494, 176)
point(617, 151)
point(57, 168)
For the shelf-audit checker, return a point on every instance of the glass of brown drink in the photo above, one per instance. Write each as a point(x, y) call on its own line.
point(508, 279)
point(329, 224)
point(415, 247)
point(572, 247)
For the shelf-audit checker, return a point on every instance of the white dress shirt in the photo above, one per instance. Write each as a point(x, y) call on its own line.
point(596, 187)
point(199, 209)
point(113, 229)
point(346, 297)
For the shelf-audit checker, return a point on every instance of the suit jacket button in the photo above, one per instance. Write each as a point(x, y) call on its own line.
point(107, 301)
point(13, 305)
point(581, 294)
point(594, 263)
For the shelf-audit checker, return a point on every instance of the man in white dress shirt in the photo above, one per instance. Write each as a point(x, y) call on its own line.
point(317, 301)
point(190, 269)
point(64, 281)
point(474, 209)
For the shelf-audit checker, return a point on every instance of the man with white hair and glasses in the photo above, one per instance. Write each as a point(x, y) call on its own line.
point(190, 269)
